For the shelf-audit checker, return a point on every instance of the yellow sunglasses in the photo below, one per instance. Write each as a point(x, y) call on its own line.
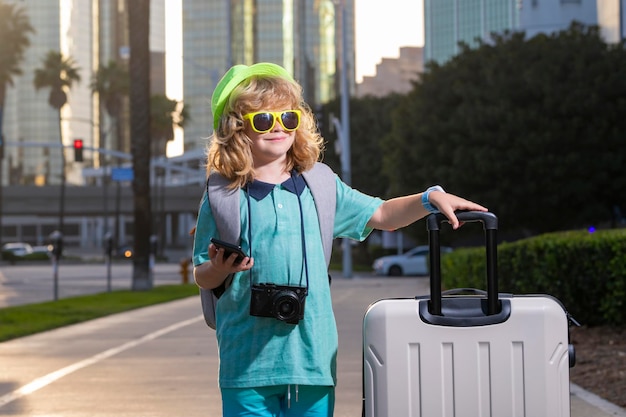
point(264, 121)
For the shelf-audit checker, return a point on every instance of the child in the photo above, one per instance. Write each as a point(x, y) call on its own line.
point(275, 328)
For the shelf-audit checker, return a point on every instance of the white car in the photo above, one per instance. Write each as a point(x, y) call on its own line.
point(18, 248)
point(23, 251)
point(412, 262)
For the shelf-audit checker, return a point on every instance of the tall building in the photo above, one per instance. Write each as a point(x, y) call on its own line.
point(448, 22)
point(394, 75)
point(304, 36)
point(63, 27)
point(91, 32)
point(612, 19)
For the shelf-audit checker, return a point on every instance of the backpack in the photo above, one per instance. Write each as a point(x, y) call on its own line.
point(224, 204)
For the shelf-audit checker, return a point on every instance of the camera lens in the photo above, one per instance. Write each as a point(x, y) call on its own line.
point(286, 306)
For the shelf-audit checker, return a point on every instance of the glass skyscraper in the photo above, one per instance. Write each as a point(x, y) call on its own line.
point(91, 32)
point(304, 36)
point(447, 22)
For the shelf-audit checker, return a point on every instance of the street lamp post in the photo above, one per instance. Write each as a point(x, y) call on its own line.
point(344, 136)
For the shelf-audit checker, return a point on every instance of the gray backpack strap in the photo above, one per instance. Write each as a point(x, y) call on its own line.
point(321, 181)
point(224, 203)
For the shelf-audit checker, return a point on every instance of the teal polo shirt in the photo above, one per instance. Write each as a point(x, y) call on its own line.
point(264, 351)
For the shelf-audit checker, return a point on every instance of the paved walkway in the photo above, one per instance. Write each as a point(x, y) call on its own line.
point(162, 361)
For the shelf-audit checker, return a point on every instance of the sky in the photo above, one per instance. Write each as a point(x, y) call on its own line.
point(382, 27)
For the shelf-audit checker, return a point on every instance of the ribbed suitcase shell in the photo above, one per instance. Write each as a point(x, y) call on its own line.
point(466, 356)
point(516, 368)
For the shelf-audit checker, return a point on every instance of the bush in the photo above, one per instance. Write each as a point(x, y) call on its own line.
point(35, 256)
point(587, 272)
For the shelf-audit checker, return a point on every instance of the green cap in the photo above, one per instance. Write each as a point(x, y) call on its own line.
point(235, 76)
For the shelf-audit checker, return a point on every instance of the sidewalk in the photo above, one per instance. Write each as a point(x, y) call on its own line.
point(162, 361)
point(585, 403)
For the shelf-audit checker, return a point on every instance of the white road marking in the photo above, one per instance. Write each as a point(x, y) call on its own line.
point(58, 374)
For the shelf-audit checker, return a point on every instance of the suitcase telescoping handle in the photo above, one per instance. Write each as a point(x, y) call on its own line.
point(490, 225)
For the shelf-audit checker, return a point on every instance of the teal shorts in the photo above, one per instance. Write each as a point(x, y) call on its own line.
point(279, 401)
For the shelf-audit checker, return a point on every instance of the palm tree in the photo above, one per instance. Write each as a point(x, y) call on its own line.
point(165, 114)
point(59, 73)
point(139, 30)
point(14, 29)
point(111, 83)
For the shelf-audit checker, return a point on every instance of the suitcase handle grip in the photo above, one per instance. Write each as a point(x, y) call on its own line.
point(489, 220)
point(490, 225)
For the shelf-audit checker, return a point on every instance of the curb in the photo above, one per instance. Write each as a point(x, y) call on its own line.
point(598, 402)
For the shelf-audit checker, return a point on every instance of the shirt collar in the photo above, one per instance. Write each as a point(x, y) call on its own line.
point(259, 189)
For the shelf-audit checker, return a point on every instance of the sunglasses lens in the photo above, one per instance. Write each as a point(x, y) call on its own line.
point(290, 120)
point(263, 122)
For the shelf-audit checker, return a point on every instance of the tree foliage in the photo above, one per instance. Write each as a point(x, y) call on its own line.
point(531, 128)
point(370, 121)
point(112, 83)
point(165, 113)
point(58, 73)
point(14, 30)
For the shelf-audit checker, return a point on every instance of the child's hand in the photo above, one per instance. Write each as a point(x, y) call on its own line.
point(228, 265)
point(449, 203)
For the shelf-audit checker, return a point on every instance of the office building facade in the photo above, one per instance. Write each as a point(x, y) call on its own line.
point(304, 36)
point(394, 75)
point(91, 32)
point(448, 22)
point(612, 19)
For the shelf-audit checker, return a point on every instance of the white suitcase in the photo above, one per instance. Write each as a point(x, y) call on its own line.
point(466, 355)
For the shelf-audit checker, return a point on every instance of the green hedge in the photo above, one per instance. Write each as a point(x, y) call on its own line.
point(35, 256)
point(586, 271)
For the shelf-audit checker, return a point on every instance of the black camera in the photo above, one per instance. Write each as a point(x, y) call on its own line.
point(283, 302)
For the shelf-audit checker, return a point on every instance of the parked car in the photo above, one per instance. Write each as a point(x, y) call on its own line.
point(23, 251)
point(412, 262)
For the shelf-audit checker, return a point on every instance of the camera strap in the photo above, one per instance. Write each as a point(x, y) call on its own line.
point(302, 234)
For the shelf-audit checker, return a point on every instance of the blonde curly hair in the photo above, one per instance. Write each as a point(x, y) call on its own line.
point(229, 151)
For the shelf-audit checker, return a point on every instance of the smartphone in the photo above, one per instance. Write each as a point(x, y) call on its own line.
point(229, 249)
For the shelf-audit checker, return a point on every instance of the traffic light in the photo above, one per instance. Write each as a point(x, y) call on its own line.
point(78, 150)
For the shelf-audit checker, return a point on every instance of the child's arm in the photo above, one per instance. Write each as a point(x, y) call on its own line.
point(402, 211)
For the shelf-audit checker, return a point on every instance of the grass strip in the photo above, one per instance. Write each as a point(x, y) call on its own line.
point(24, 320)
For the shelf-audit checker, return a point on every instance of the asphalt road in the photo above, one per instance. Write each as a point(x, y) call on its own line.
point(162, 361)
point(159, 361)
point(33, 283)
